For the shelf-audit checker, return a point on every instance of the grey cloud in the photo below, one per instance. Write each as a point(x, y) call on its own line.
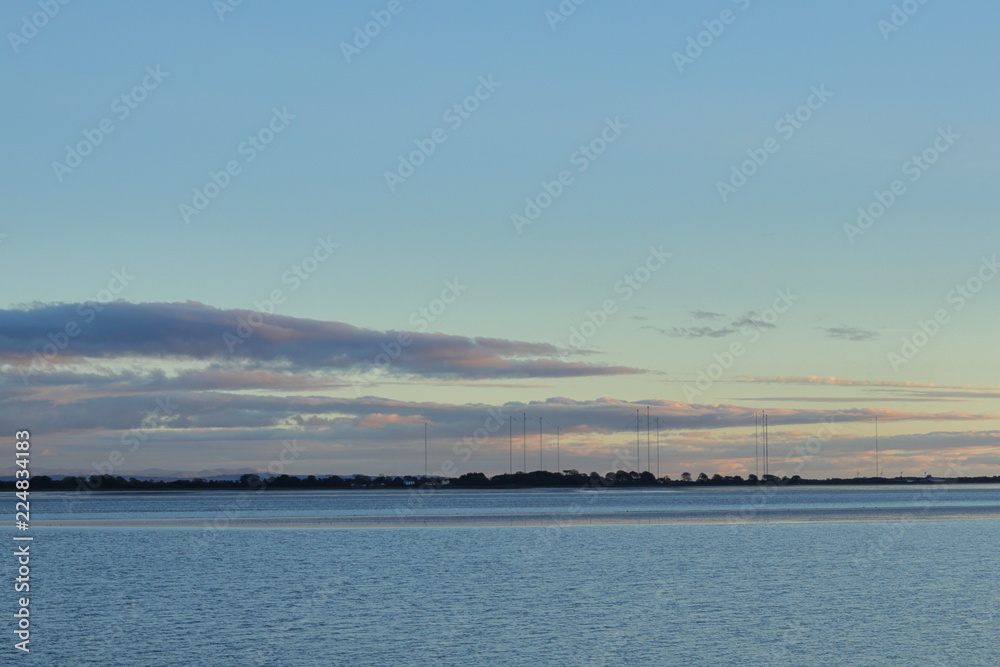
point(195, 331)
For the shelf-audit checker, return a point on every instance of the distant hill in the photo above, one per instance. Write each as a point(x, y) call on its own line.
point(156, 474)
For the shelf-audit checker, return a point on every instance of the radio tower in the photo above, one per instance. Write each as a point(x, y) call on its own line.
point(764, 427)
point(876, 449)
point(638, 453)
point(756, 449)
point(657, 448)
point(648, 466)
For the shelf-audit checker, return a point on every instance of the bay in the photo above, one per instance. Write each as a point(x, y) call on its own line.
point(852, 592)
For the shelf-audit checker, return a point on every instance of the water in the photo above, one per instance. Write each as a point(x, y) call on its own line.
point(390, 503)
point(846, 592)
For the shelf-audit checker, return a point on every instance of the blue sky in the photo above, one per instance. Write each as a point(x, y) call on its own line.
point(221, 79)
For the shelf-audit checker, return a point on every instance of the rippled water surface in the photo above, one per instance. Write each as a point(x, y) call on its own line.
point(854, 593)
point(193, 504)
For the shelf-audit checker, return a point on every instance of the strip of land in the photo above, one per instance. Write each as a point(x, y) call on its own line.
point(539, 479)
point(568, 519)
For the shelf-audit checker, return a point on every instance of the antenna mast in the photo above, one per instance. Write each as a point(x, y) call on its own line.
point(764, 419)
point(876, 449)
point(648, 466)
point(657, 448)
point(756, 450)
point(558, 467)
point(638, 454)
point(540, 465)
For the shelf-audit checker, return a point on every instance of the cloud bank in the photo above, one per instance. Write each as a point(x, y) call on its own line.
point(45, 336)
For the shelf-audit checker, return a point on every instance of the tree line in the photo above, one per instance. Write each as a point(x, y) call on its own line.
point(472, 480)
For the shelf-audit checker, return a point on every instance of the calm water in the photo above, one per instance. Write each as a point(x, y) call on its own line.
point(541, 501)
point(854, 593)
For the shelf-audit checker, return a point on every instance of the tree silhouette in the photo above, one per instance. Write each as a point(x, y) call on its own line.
point(251, 481)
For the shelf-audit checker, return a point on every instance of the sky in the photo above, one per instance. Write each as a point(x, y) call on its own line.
point(244, 237)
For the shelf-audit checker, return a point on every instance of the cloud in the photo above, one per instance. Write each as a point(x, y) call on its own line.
point(289, 378)
point(398, 449)
point(955, 394)
point(842, 399)
point(36, 338)
point(750, 319)
point(891, 389)
point(193, 411)
point(829, 379)
point(153, 421)
point(379, 420)
point(950, 453)
point(692, 332)
point(851, 333)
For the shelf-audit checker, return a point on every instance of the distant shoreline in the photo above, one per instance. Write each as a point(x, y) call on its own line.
point(506, 481)
point(563, 519)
